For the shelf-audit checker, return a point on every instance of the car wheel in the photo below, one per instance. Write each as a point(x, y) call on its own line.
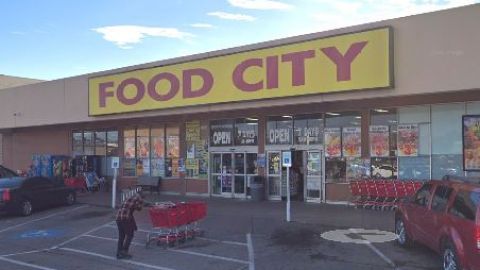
point(25, 208)
point(70, 199)
point(450, 258)
point(402, 236)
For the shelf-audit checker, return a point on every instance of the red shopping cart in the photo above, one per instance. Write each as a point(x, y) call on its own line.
point(175, 222)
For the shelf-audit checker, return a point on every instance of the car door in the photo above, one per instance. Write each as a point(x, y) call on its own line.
point(433, 220)
point(418, 209)
point(38, 191)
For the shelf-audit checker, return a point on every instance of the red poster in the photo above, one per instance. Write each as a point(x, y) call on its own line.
point(379, 146)
point(407, 140)
point(333, 142)
point(352, 141)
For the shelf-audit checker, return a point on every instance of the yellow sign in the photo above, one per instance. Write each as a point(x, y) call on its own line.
point(340, 63)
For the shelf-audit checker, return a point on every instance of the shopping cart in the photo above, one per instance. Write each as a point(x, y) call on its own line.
point(175, 222)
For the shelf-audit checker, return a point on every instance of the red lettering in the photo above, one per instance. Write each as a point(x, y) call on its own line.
point(121, 91)
point(298, 65)
point(344, 62)
point(187, 82)
point(272, 72)
point(174, 86)
point(103, 94)
point(238, 79)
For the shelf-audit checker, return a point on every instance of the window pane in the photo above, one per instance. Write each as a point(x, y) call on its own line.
point(384, 168)
point(447, 129)
point(173, 151)
point(246, 132)
point(112, 143)
point(308, 129)
point(414, 168)
point(465, 204)
point(251, 163)
point(422, 196)
point(143, 144)
point(100, 143)
point(335, 170)
point(440, 198)
point(279, 130)
point(77, 143)
point(221, 133)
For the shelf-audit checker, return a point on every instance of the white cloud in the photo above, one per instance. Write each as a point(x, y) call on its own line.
point(231, 16)
point(126, 35)
point(260, 4)
point(201, 25)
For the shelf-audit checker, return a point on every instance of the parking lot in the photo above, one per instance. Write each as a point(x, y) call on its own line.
point(238, 235)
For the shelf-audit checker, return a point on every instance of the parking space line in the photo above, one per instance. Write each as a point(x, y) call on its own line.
point(42, 218)
point(78, 236)
point(201, 238)
point(115, 259)
point(178, 251)
point(25, 252)
point(35, 266)
point(251, 259)
point(381, 255)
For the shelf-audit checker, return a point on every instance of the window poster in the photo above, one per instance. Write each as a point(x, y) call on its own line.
point(379, 146)
point(129, 147)
point(143, 147)
point(407, 140)
point(351, 141)
point(333, 142)
point(158, 147)
point(471, 142)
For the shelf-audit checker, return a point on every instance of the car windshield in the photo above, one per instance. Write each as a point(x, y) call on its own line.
point(10, 183)
point(475, 197)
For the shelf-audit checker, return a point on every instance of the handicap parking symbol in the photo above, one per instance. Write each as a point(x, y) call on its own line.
point(40, 234)
point(359, 236)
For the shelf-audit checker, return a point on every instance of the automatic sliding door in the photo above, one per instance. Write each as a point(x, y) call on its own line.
point(274, 174)
point(314, 176)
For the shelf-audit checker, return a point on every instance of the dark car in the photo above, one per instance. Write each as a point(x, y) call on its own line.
point(21, 195)
point(444, 216)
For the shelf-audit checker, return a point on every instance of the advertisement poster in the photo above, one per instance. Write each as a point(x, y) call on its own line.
point(379, 146)
point(352, 141)
point(471, 142)
point(158, 147)
point(143, 147)
point(129, 147)
point(333, 142)
point(407, 137)
point(192, 130)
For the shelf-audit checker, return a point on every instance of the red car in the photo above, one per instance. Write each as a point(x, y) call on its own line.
point(444, 216)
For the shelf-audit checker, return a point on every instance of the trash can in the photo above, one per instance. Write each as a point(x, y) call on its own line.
point(257, 188)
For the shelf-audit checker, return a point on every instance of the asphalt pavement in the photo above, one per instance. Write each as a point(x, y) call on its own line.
point(238, 234)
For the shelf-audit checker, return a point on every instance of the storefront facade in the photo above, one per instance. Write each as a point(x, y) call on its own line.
point(388, 100)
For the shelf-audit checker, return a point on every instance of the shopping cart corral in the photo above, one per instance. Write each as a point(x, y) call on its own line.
point(174, 223)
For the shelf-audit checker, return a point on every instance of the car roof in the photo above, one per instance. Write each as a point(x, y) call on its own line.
point(470, 184)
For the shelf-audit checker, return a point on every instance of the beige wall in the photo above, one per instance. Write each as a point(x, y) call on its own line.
point(1, 149)
point(10, 81)
point(21, 145)
point(433, 53)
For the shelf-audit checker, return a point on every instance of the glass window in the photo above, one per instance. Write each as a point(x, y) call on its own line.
point(143, 151)
point(279, 130)
point(440, 198)
point(465, 204)
point(239, 163)
point(112, 143)
point(173, 152)
point(308, 129)
point(221, 133)
point(447, 140)
point(129, 164)
point(339, 149)
point(88, 143)
point(246, 131)
point(100, 143)
point(423, 195)
point(158, 151)
point(77, 143)
point(473, 107)
point(252, 163)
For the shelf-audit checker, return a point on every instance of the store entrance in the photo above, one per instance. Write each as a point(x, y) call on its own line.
point(231, 172)
point(306, 176)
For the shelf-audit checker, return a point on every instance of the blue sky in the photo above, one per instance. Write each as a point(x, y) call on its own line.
point(53, 39)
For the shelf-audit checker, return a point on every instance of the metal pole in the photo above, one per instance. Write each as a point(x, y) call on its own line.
point(288, 194)
point(114, 188)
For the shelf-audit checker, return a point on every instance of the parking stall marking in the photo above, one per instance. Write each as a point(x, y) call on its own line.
point(25, 252)
point(35, 266)
point(42, 218)
point(251, 259)
point(79, 236)
point(201, 238)
point(179, 251)
point(115, 259)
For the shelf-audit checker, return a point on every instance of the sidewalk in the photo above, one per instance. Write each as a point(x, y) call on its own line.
point(263, 214)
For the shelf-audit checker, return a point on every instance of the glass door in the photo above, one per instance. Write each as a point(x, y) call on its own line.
point(239, 187)
point(314, 183)
point(274, 175)
point(230, 172)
